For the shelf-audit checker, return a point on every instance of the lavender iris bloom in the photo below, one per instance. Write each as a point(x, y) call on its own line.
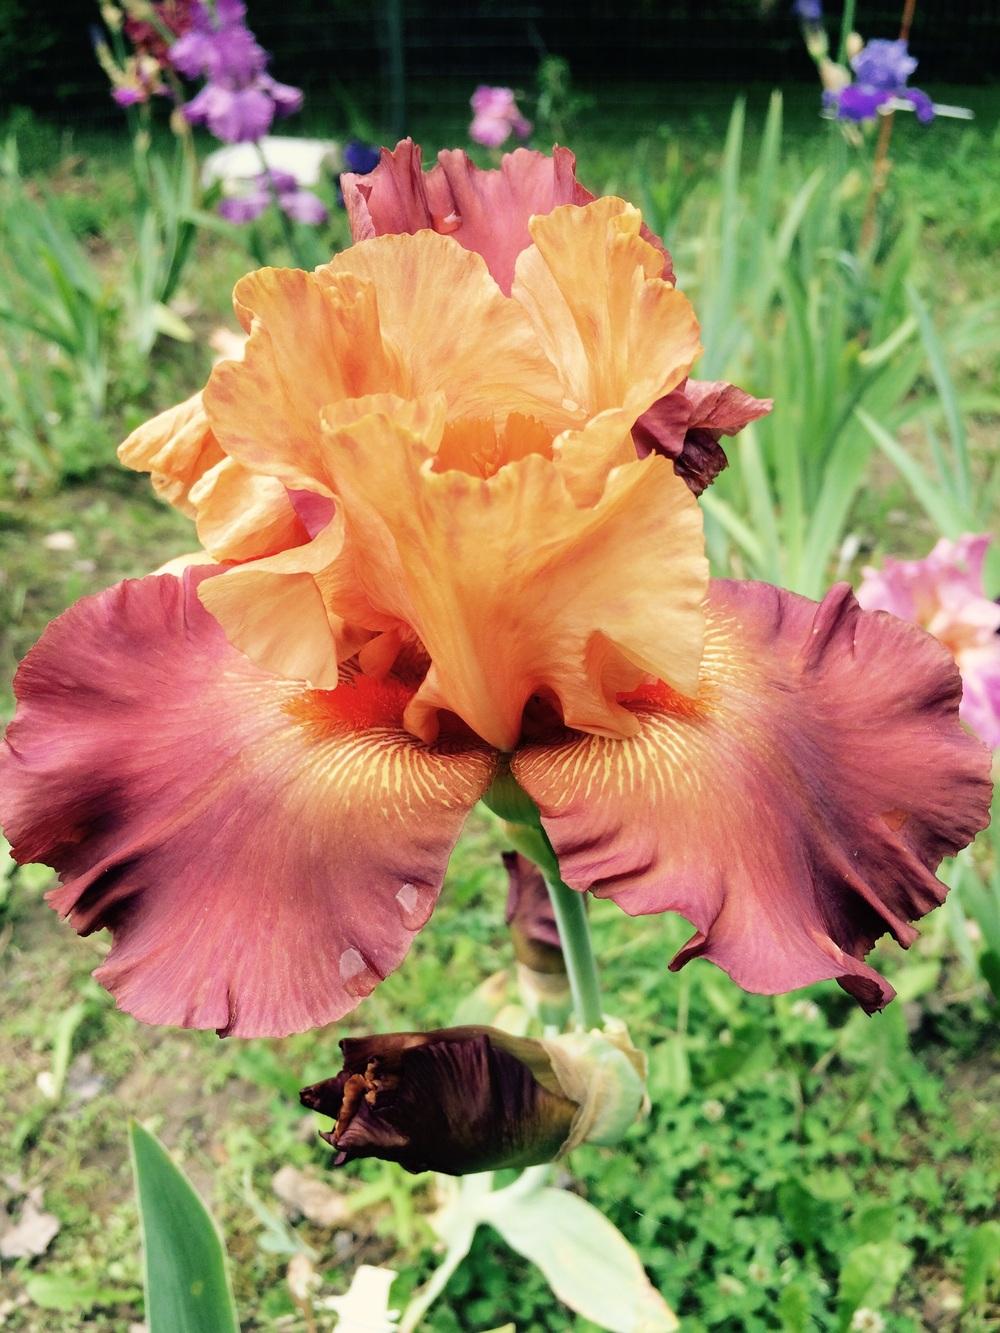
point(883, 64)
point(881, 70)
point(300, 205)
point(240, 99)
point(808, 11)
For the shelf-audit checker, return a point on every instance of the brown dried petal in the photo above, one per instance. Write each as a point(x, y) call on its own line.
point(456, 1100)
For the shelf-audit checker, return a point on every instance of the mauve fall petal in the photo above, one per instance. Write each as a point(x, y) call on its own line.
point(796, 809)
point(261, 853)
point(484, 210)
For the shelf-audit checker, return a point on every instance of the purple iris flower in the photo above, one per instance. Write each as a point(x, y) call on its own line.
point(808, 11)
point(881, 70)
point(884, 64)
point(240, 99)
point(361, 157)
point(300, 205)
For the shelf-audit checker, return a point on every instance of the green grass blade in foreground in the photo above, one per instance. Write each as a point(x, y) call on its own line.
point(940, 507)
point(185, 1274)
point(959, 478)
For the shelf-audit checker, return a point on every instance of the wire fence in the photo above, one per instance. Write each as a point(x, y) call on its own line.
point(371, 51)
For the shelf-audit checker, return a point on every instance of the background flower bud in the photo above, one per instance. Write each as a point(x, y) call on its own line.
point(541, 967)
point(466, 1099)
point(455, 1100)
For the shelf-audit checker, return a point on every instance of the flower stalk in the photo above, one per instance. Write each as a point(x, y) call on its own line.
point(571, 918)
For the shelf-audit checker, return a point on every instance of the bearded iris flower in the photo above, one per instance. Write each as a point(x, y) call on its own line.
point(944, 593)
point(450, 540)
point(269, 187)
point(881, 70)
point(496, 116)
point(239, 99)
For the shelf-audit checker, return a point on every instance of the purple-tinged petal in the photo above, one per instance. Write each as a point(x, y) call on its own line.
point(796, 809)
point(304, 206)
point(240, 117)
point(192, 55)
point(287, 100)
point(490, 131)
point(884, 65)
point(944, 594)
point(922, 104)
point(242, 208)
point(859, 102)
point(360, 158)
point(261, 853)
point(129, 96)
point(230, 12)
point(281, 181)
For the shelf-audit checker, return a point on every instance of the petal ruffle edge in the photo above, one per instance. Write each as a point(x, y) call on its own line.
point(486, 211)
point(796, 810)
point(261, 853)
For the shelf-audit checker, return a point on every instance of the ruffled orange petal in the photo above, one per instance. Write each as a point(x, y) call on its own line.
point(619, 334)
point(512, 588)
point(794, 811)
point(242, 515)
point(262, 854)
point(279, 611)
point(301, 612)
point(456, 333)
point(311, 342)
point(176, 448)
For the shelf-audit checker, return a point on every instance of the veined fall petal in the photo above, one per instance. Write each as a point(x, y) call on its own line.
point(796, 809)
point(261, 853)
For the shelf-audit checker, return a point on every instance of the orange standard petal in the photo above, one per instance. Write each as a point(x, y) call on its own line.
point(455, 331)
point(512, 588)
point(176, 448)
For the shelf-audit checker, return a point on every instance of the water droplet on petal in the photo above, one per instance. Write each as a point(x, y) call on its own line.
point(570, 405)
point(447, 224)
point(413, 905)
point(355, 974)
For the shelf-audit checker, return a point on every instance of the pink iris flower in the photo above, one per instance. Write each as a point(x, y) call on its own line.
point(944, 594)
point(495, 115)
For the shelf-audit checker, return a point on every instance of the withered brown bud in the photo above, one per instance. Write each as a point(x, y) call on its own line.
point(541, 967)
point(530, 917)
point(456, 1100)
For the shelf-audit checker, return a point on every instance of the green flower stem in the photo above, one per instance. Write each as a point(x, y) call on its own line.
point(283, 219)
point(571, 918)
point(846, 28)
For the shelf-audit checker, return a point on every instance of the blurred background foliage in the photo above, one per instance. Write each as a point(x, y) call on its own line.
point(804, 1167)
